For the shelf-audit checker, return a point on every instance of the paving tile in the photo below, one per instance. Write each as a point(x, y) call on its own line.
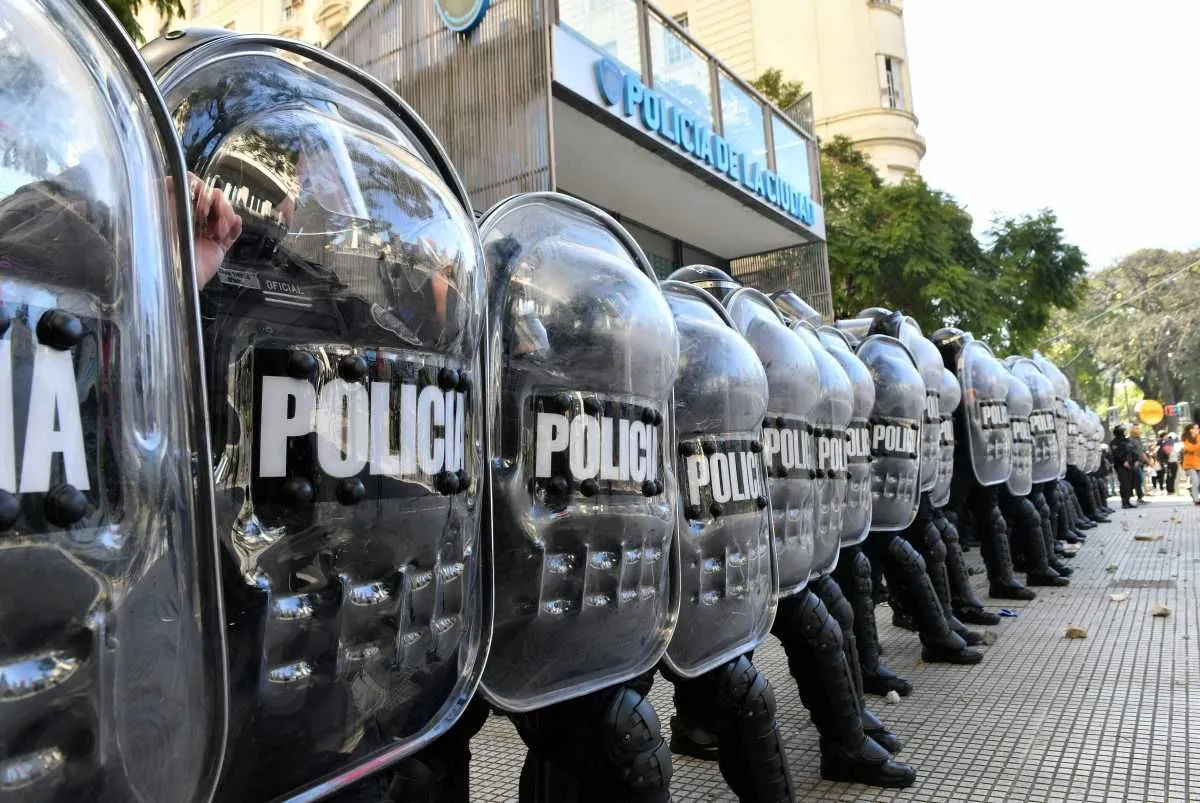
point(1113, 717)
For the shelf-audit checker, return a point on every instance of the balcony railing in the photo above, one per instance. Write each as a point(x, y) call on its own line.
point(668, 59)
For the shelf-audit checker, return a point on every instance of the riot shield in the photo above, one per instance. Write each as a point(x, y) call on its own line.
point(1076, 455)
point(856, 517)
point(1062, 392)
point(795, 309)
point(111, 656)
point(585, 510)
point(1095, 441)
point(1020, 409)
point(343, 335)
point(1042, 426)
point(727, 573)
point(948, 401)
point(984, 409)
point(895, 432)
point(830, 419)
point(793, 379)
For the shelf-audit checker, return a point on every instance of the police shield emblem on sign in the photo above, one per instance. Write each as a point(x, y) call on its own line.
point(343, 336)
point(789, 446)
point(830, 419)
point(583, 468)
point(948, 401)
point(856, 517)
point(896, 421)
point(984, 411)
point(1020, 411)
point(727, 573)
point(1042, 425)
point(1062, 392)
point(111, 658)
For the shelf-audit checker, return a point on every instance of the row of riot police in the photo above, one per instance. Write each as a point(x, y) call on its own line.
point(306, 470)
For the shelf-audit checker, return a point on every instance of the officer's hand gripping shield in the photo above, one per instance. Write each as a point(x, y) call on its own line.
point(1062, 392)
point(984, 411)
point(111, 660)
point(1020, 410)
point(1042, 424)
point(793, 379)
point(948, 401)
point(830, 421)
point(586, 351)
point(343, 335)
point(856, 515)
point(729, 580)
point(896, 422)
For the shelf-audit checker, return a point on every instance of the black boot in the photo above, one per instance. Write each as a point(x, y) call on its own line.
point(966, 606)
point(1038, 497)
point(933, 550)
point(812, 639)
point(831, 596)
point(1027, 529)
point(906, 569)
point(1002, 583)
point(853, 575)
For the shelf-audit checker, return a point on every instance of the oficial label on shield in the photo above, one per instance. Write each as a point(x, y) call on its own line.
point(589, 445)
point(858, 442)
point(946, 432)
point(894, 437)
point(789, 448)
point(993, 414)
point(1041, 422)
point(1021, 431)
point(721, 476)
point(933, 408)
point(396, 424)
point(831, 453)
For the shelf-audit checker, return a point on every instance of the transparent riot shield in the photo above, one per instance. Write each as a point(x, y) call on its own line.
point(727, 572)
point(343, 335)
point(1062, 392)
point(929, 363)
point(1076, 420)
point(1020, 409)
point(789, 449)
point(948, 401)
point(1042, 425)
point(111, 657)
point(583, 469)
point(830, 419)
point(795, 309)
point(984, 383)
point(1095, 431)
point(896, 421)
point(856, 516)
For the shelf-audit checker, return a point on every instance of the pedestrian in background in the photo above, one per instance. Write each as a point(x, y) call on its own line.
point(1124, 458)
point(1191, 459)
point(1172, 461)
point(1139, 467)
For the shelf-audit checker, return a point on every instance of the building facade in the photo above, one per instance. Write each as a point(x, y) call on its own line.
point(614, 103)
point(850, 54)
point(313, 21)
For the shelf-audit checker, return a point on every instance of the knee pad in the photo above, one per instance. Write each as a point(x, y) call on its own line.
point(632, 741)
point(743, 693)
point(934, 545)
point(863, 573)
point(905, 557)
point(816, 625)
point(835, 601)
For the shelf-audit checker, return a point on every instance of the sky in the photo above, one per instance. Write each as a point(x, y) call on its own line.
point(1089, 108)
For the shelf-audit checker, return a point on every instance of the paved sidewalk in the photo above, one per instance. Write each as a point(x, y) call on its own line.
point(1113, 717)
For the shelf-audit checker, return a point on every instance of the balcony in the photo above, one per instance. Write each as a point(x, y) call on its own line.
point(668, 59)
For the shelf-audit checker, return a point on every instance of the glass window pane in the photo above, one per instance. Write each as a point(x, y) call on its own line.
point(791, 156)
point(742, 119)
point(610, 25)
point(680, 71)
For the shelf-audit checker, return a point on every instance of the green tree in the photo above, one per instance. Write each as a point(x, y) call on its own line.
point(1139, 320)
point(779, 91)
point(126, 12)
point(911, 247)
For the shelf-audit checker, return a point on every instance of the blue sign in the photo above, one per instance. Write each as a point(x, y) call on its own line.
point(658, 115)
point(461, 15)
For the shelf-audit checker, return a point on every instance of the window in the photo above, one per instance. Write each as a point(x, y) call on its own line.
point(677, 49)
point(891, 82)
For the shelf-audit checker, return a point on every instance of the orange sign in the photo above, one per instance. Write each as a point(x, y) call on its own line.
point(1149, 411)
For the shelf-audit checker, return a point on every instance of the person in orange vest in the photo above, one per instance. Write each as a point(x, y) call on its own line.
point(1191, 459)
